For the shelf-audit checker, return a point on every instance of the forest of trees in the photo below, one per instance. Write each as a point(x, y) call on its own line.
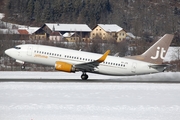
point(156, 17)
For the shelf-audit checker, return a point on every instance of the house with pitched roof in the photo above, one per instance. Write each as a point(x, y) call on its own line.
point(108, 32)
point(71, 37)
point(48, 28)
point(26, 31)
point(55, 36)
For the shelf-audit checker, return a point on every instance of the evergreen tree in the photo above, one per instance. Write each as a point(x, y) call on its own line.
point(37, 11)
point(30, 10)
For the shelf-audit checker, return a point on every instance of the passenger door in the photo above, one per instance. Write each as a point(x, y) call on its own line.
point(133, 69)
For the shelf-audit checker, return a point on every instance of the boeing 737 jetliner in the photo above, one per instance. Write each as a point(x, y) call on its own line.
point(67, 60)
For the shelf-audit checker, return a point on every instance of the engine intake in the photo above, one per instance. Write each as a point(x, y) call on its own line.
point(63, 66)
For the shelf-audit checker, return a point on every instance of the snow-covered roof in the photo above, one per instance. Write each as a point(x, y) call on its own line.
point(68, 34)
point(29, 29)
point(130, 35)
point(69, 27)
point(110, 27)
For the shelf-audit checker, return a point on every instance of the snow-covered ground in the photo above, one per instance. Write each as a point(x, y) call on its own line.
point(88, 100)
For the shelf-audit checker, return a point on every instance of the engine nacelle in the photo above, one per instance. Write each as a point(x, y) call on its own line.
point(63, 66)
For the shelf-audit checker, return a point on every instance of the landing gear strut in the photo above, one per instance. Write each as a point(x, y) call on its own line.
point(84, 76)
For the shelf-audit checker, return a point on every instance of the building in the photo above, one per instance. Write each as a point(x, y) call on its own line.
point(108, 32)
point(47, 29)
point(27, 31)
point(71, 37)
point(55, 36)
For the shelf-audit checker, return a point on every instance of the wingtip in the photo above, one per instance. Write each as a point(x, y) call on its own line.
point(104, 56)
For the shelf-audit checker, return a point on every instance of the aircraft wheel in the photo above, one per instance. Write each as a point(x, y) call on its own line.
point(84, 76)
point(23, 67)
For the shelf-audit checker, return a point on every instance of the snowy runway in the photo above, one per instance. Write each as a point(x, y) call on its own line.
point(81, 100)
point(90, 101)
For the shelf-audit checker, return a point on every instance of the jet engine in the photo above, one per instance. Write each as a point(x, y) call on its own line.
point(65, 67)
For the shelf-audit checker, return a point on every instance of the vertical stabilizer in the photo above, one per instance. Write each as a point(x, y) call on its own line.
point(156, 53)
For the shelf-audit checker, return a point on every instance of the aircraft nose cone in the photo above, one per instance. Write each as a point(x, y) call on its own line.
point(7, 52)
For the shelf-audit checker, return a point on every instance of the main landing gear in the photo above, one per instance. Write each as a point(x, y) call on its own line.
point(84, 76)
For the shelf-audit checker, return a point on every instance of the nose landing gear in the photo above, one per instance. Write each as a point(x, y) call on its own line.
point(84, 76)
point(23, 67)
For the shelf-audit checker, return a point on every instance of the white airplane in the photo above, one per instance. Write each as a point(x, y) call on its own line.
point(67, 60)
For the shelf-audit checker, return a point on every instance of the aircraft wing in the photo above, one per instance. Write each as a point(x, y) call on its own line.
point(89, 66)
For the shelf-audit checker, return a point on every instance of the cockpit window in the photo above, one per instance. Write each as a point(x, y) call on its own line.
point(17, 47)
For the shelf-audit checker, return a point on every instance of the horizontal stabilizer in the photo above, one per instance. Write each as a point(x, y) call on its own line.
point(157, 66)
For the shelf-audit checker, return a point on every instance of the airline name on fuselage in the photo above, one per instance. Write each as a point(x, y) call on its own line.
point(40, 56)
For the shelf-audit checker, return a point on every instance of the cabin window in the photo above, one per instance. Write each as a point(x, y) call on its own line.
point(17, 47)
